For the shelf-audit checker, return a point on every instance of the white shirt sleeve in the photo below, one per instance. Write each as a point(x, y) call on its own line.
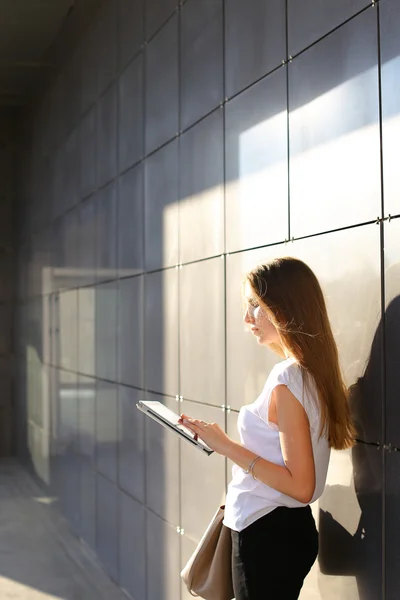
point(291, 377)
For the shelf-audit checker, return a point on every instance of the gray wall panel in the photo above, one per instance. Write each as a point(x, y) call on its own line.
point(161, 208)
point(87, 241)
point(71, 250)
point(201, 59)
point(58, 192)
point(66, 462)
point(6, 269)
point(161, 332)
point(157, 12)
point(68, 329)
point(162, 82)
point(130, 222)
point(107, 429)
point(88, 151)
point(107, 136)
point(326, 16)
point(71, 169)
point(131, 450)
point(89, 68)
point(87, 330)
point(87, 394)
point(131, 114)
point(88, 503)
point(390, 72)
point(132, 549)
point(256, 155)
point(130, 30)
point(202, 356)
point(201, 206)
point(130, 331)
point(105, 317)
point(6, 324)
point(163, 578)
point(106, 40)
point(334, 146)
point(107, 510)
point(255, 41)
point(106, 233)
point(392, 332)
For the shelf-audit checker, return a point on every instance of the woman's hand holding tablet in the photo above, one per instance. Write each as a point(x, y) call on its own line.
point(170, 420)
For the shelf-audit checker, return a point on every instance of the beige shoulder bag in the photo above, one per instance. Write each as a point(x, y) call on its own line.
point(208, 573)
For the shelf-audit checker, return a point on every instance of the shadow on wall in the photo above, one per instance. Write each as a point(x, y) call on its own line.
point(360, 555)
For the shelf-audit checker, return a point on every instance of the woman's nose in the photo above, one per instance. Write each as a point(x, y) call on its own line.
point(248, 318)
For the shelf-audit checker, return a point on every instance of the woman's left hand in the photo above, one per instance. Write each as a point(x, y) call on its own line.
point(210, 433)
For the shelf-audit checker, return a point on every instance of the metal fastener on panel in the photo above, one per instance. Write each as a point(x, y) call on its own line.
point(228, 409)
point(178, 529)
point(182, 531)
point(390, 448)
point(181, 398)
point(177, 398)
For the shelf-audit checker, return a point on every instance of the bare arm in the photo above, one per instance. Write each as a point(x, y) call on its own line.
point(297, 478)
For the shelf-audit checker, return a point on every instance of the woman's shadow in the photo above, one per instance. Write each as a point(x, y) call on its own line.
point(360, 555)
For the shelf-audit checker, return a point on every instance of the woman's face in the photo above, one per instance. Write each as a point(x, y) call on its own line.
point(258, 320)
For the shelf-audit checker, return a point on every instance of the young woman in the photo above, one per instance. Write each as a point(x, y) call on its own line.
point(286, 434)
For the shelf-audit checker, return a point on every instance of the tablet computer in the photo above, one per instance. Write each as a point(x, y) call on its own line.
point(168, 419)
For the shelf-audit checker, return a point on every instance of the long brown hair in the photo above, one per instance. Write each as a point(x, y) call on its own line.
point(291, 294)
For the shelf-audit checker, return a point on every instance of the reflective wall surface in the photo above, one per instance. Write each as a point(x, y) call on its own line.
point(8, 280)
point(195, 141)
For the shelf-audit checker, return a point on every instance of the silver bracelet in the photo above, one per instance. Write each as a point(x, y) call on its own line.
point(251, 466)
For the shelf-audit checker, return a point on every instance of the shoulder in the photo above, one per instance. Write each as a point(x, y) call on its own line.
point(286, 405)
point(290, 374)
point(287, 372)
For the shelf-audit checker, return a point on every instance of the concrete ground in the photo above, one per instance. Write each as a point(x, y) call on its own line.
point(39, 557)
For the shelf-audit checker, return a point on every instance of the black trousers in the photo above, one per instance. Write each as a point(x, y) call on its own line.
point(271, 557)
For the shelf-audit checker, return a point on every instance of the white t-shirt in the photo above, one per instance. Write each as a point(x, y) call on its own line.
point(248, 499)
